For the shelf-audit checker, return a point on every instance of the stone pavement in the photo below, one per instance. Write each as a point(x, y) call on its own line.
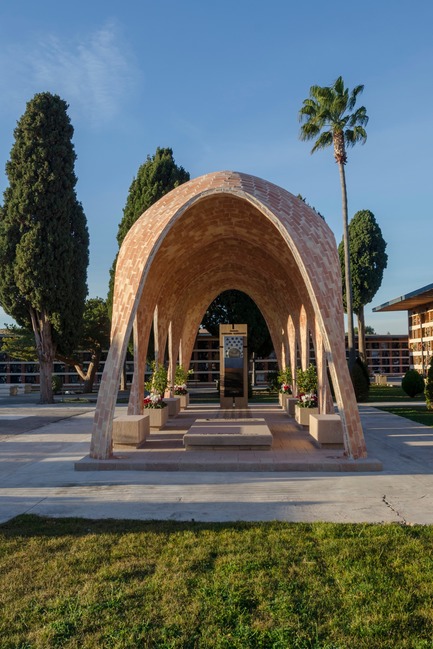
point(39, 446)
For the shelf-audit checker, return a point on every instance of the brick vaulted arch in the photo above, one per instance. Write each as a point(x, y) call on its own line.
point(227, 230)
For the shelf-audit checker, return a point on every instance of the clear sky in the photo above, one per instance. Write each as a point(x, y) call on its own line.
point(221, 83)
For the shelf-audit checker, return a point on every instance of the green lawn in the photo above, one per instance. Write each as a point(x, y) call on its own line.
point(117, 584)
point(420, 414)
point(390, 393)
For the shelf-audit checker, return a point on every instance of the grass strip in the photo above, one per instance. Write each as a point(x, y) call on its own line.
point(419, 414)
point(390, 393)
point(125, 584)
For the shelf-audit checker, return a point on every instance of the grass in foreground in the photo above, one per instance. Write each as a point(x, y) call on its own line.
point(420, 414)
point(127, 584)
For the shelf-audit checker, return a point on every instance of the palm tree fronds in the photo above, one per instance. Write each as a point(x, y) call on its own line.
point(324, 140)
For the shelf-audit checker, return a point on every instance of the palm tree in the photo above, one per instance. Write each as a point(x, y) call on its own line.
point(329, 118)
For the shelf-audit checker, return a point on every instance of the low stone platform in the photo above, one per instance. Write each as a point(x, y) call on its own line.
point(327, 430)
point(228, 434)
point(130, 430)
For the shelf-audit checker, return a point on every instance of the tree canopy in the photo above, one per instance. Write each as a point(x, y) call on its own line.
point(368, 258)
point(368, 261)
point(157, 176)
point(43, 233)
point(235, 307)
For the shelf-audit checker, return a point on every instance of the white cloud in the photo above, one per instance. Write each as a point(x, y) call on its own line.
point(94, 75)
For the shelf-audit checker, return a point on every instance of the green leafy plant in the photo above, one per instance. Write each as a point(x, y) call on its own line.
point(428, 391)
point(285, 380)
point(180, 380)
point(156, 387)
point(307, 387)
point(360, 380)
point(56, 383)
point(412, 383)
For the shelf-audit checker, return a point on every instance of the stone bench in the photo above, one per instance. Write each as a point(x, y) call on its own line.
point(131, 430)
point(228, 434)
point(327, 430)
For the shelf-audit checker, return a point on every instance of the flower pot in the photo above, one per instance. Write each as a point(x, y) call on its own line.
point(157, 417)
point(282, 398)
point(302, 415)
point(291, 403)
point(184, 401)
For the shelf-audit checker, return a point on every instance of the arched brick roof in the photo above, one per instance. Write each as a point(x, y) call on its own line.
point(226, 229)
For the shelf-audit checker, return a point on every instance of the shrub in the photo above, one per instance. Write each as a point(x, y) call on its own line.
point(158, 381)
point(412, 383)
point(428, 391)
point(285, 380)
point(56, 383)
point(360, 380)
point(306, 380)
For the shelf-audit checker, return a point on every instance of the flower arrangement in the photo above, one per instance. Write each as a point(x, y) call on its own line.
point(307, 400)
point(180, 378)
point(285, 381)
point(156, 387)
point(180, 389)
point(307, 384)
point(154, 400)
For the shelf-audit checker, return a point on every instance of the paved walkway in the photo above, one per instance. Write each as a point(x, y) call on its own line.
point(39, 446)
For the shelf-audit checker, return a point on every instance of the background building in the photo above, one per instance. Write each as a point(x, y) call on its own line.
point(419, 307)
point(388, 354)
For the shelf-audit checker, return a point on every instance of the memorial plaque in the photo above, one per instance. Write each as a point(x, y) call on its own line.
point(234, 366)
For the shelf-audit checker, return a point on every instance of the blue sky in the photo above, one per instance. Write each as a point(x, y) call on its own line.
point(221, 83)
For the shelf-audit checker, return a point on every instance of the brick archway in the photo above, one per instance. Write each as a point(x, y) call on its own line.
point(227, 229)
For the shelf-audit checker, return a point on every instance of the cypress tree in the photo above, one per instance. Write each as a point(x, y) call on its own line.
point(368, 261)
point(43, 234)
point(155, 178)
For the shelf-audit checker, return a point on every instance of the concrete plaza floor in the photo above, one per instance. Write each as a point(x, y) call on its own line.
point(41, 445)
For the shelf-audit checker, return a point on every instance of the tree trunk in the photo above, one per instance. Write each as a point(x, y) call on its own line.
point(349, 299)
point(361, 335)
point(91, 373)
point(45, 350)
point(87, 377)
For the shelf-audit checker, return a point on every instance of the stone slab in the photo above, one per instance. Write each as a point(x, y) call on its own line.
point(228, 434)
point(130, 430)
point(327, 430)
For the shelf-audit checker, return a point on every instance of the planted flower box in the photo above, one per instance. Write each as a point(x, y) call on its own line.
point(302, 415)
point(157, 417)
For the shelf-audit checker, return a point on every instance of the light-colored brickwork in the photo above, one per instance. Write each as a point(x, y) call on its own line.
point(222, 231)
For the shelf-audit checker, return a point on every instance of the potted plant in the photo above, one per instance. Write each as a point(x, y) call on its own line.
point(153, 402)
point(180, 385)
point(285, 386)
point(307, 394)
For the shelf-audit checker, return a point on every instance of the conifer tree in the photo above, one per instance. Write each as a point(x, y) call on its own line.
point(43, 234)
point(368, 261)
point(155, 178)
